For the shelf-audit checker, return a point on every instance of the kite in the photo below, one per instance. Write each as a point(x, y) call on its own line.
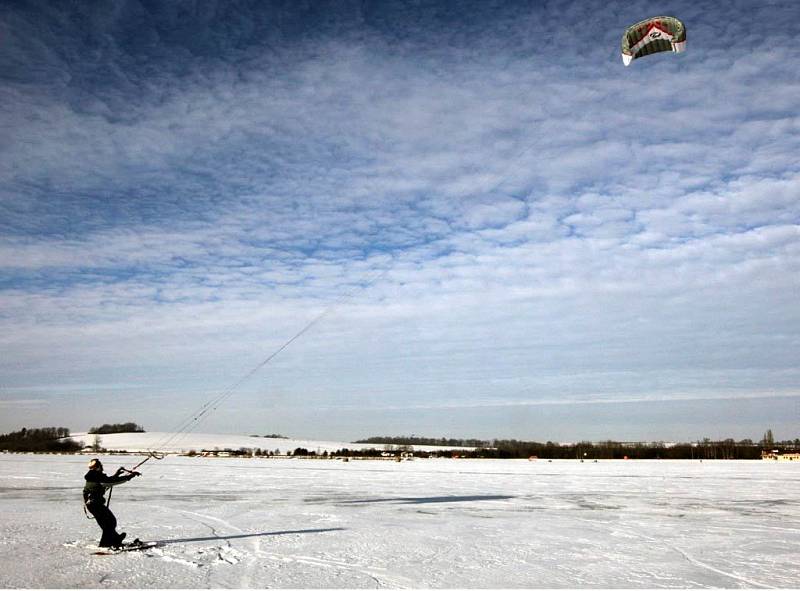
point(659, 33)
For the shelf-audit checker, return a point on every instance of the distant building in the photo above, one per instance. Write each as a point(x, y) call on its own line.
point(779, 456)
point(215, 453)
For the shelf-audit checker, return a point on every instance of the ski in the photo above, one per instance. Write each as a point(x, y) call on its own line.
point(133, 546)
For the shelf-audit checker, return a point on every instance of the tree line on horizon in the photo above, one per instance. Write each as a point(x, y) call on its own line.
point(745, 449)
point(50, 439)
point(57, 439)
point(116, 428)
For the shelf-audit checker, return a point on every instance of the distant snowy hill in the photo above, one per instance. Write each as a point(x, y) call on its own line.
point(165, 442)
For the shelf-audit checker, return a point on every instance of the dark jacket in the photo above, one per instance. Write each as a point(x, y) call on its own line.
point(97, 482)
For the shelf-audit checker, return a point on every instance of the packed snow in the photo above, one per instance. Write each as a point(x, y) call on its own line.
point(303, 523)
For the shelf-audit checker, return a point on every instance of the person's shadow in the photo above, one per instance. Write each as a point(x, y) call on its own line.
point(240, 536)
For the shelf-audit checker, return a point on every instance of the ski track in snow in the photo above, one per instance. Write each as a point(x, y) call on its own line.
point(695, 561)
point(226, 553)
point(381, 578)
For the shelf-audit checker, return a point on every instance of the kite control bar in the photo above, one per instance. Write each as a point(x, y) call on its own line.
point(150, 454)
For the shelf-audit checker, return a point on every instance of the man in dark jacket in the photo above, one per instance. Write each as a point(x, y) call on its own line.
point(94, 498)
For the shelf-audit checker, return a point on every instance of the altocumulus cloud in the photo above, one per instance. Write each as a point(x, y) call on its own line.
point(506, 216)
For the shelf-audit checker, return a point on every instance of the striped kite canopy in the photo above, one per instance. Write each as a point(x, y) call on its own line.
point(659, 33)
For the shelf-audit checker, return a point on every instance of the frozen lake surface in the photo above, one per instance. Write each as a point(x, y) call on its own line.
point(225, 522)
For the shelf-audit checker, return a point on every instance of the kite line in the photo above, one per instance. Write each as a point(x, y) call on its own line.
point(191, 422)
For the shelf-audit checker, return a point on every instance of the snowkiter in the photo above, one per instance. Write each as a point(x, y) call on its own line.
point(94, 500)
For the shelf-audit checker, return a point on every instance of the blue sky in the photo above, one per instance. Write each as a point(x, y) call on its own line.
point(513, 234)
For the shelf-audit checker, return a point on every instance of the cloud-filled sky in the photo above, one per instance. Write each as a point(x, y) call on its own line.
point(506, 231)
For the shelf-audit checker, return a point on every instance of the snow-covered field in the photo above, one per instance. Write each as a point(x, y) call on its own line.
point(423, 523)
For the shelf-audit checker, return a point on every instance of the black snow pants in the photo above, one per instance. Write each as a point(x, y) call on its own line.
point(107, 522)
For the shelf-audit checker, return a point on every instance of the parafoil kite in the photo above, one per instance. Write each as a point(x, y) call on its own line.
point(659, 33)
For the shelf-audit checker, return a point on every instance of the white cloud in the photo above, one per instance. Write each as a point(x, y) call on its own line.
point(540, 215)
